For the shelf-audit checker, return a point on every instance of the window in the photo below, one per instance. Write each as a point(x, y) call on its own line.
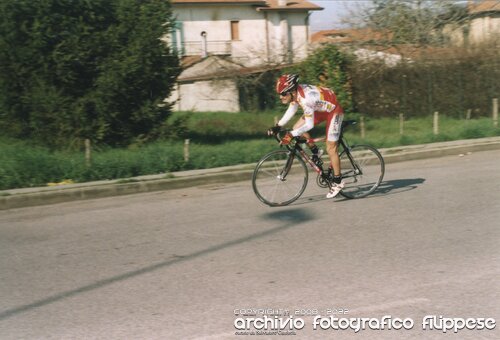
point(235, 30)
point(177, 36)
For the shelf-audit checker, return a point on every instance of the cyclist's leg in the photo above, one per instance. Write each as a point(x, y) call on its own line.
point(332, 143)
point(332, 138)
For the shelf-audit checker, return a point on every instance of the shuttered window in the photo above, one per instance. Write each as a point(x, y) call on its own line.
point(235, 30)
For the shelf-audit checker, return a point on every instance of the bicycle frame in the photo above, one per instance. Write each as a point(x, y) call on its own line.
point(345, 149)
point(296, 150)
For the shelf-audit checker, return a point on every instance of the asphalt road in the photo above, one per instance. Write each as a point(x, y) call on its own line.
point(177, 264)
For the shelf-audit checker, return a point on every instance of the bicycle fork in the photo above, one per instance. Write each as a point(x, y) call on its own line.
point(288, 165)
point(286, 169)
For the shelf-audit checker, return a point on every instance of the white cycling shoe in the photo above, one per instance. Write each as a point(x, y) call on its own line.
point(335, 189)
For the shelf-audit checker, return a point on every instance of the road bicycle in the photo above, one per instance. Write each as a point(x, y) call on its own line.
point(281, 176)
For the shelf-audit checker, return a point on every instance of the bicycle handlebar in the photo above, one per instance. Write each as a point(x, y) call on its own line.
point(278, 137)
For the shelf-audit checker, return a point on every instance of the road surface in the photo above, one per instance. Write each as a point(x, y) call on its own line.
point(190, 263)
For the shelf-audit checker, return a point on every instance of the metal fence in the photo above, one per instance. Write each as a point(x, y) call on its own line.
point(216, 47)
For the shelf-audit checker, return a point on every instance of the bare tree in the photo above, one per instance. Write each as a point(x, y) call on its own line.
point(416, 22)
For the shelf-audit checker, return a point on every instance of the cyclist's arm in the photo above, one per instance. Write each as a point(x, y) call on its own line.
point(292, 109)
point(308, 122)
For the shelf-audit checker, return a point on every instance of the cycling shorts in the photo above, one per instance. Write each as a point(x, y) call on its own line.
point(333, 123)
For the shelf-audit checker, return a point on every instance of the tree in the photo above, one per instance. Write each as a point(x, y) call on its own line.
point(328, 67)
point(417, 22)
point(84, 69)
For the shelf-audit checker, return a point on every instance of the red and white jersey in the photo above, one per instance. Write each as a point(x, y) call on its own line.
point(313, 100)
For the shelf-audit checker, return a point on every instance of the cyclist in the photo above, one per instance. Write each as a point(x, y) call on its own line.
point(319, 104)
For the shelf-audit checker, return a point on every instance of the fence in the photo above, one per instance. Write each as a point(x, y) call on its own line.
point(435, 121)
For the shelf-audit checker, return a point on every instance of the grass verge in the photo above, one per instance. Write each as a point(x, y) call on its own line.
point(26, 165)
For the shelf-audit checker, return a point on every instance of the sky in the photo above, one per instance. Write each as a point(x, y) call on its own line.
point(331, 16)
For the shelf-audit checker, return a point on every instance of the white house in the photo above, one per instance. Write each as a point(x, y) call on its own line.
point(483, 26)
point(234, 36)
point(485, 22)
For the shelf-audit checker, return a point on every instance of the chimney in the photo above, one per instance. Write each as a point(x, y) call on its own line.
point(204, 52)
point(282, 3)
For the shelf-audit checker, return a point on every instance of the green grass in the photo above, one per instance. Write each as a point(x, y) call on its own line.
point(22, 165)
point(219, 127)
point(384, 133)
point(217, 139)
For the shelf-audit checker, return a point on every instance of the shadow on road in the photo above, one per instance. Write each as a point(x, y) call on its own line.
point(311, 199)
point(290, 218)
point(295, 216)
point(391, 187)
point(397, 186)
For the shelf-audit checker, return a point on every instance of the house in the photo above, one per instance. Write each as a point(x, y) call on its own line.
point(351, 36)
point(250, 32)
point(482, 26)
point(484, 21)
point(222, 38)
point(208, 84)
point(365, 43)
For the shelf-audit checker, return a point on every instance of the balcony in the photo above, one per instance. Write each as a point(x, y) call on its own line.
point(215, 47)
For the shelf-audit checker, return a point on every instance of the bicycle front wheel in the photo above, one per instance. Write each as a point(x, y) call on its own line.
point(279, 178)
point(363, 169)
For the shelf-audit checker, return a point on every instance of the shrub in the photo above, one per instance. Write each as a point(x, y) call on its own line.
point(71, 70)
point(328, 67)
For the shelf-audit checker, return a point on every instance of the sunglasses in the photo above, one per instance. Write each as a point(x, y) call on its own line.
point(283, 94)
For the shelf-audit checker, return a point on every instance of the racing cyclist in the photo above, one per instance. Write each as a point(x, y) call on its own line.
point(319, 104)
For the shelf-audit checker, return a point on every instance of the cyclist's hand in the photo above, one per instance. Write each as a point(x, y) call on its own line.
point(274, 130)
point(287, 139)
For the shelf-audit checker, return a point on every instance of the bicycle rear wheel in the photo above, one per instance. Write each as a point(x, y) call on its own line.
point(363, 169)
point(279, 178)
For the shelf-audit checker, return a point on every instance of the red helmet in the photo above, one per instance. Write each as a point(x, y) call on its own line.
point(286, 83)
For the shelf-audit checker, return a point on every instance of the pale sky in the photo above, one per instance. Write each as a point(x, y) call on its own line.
point(330, 17)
